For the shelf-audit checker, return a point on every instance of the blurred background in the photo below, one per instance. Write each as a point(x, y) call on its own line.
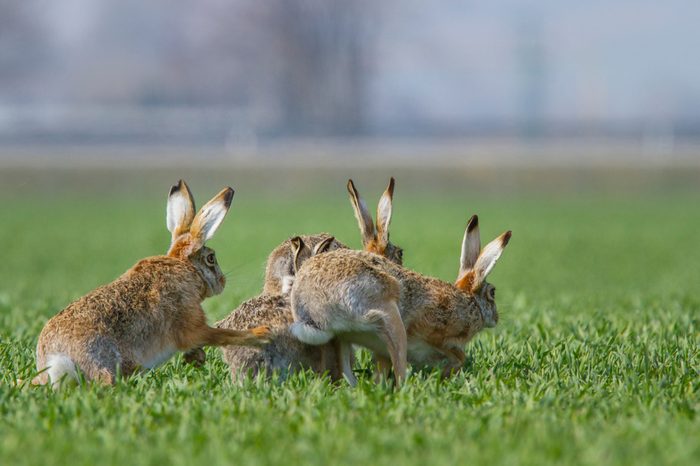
point(282, 81)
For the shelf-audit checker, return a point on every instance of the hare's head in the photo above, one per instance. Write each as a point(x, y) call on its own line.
point(475, 265)
point(300, 253)
point(190, 232)
point(376, 240)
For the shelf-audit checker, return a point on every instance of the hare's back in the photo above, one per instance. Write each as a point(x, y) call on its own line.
point(284, 353)
point(144, 296)
point(270, 310)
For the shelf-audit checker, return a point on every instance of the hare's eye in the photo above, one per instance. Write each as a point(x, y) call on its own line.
point(492, 292)
point(400, 253)
point(210, 259)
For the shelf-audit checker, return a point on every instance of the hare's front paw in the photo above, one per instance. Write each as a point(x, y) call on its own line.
point(261, 332)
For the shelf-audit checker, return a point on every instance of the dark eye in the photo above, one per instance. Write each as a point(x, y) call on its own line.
point(210, 259)
point(492, 293)
point(399, 253)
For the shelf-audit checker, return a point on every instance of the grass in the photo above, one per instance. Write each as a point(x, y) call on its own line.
point(595, 361)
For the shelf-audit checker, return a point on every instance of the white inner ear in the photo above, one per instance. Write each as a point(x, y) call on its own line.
point(471, 245)
point(178, 211)
point(487, 259)
point(364, 218)
point(210, 218)
point(384, 214)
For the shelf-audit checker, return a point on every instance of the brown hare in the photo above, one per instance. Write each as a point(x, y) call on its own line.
point(365, 299)
point(151, 311)
point(285, 353)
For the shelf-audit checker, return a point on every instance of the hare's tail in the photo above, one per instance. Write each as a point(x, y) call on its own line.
point(309, 334)
point(58, 367)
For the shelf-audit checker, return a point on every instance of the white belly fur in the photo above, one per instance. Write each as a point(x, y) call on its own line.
point(157, 358)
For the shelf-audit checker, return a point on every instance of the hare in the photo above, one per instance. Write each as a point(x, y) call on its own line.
point(285, 353)
point(152, 310)
point(361, 298)
point(279, 267)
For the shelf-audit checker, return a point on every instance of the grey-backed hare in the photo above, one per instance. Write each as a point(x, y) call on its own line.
point(285, 353)
point(402, 316)
point(151, 311)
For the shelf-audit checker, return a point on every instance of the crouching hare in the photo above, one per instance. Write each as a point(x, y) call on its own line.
point(400, 315)
point(151, 311)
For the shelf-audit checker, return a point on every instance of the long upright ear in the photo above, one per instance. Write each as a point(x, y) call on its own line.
point(323, 246)
point(180, 210)
point(471, 246)
point(210, 216)
point(364, 219)
point(487, 259)
point(384, 213)
point(298, 246)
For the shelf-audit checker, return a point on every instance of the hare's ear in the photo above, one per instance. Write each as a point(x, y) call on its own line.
point(364, 219)
point(384, 213)
point(323, 246)
point(180, 210)
point(298, 246)
point(487, 259)
point(471, 246)
point(210, 216)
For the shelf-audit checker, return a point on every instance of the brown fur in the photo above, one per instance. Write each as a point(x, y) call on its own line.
point(350, 295)
point(280, 262)
point(285, 353)
point(151, 311)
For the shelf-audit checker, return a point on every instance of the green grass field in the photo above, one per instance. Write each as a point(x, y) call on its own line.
point(596, 358)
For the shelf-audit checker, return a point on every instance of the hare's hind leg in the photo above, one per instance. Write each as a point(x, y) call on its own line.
point(381, 372)
point(343, 353)
point(393, 333)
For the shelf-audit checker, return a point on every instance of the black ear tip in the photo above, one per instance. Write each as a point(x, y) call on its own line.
point(473, 223)
point(176, 187)
point(228, 197)
point(506, 238)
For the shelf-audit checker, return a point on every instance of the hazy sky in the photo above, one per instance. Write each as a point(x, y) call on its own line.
point(441, 60)
point(594, 59)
